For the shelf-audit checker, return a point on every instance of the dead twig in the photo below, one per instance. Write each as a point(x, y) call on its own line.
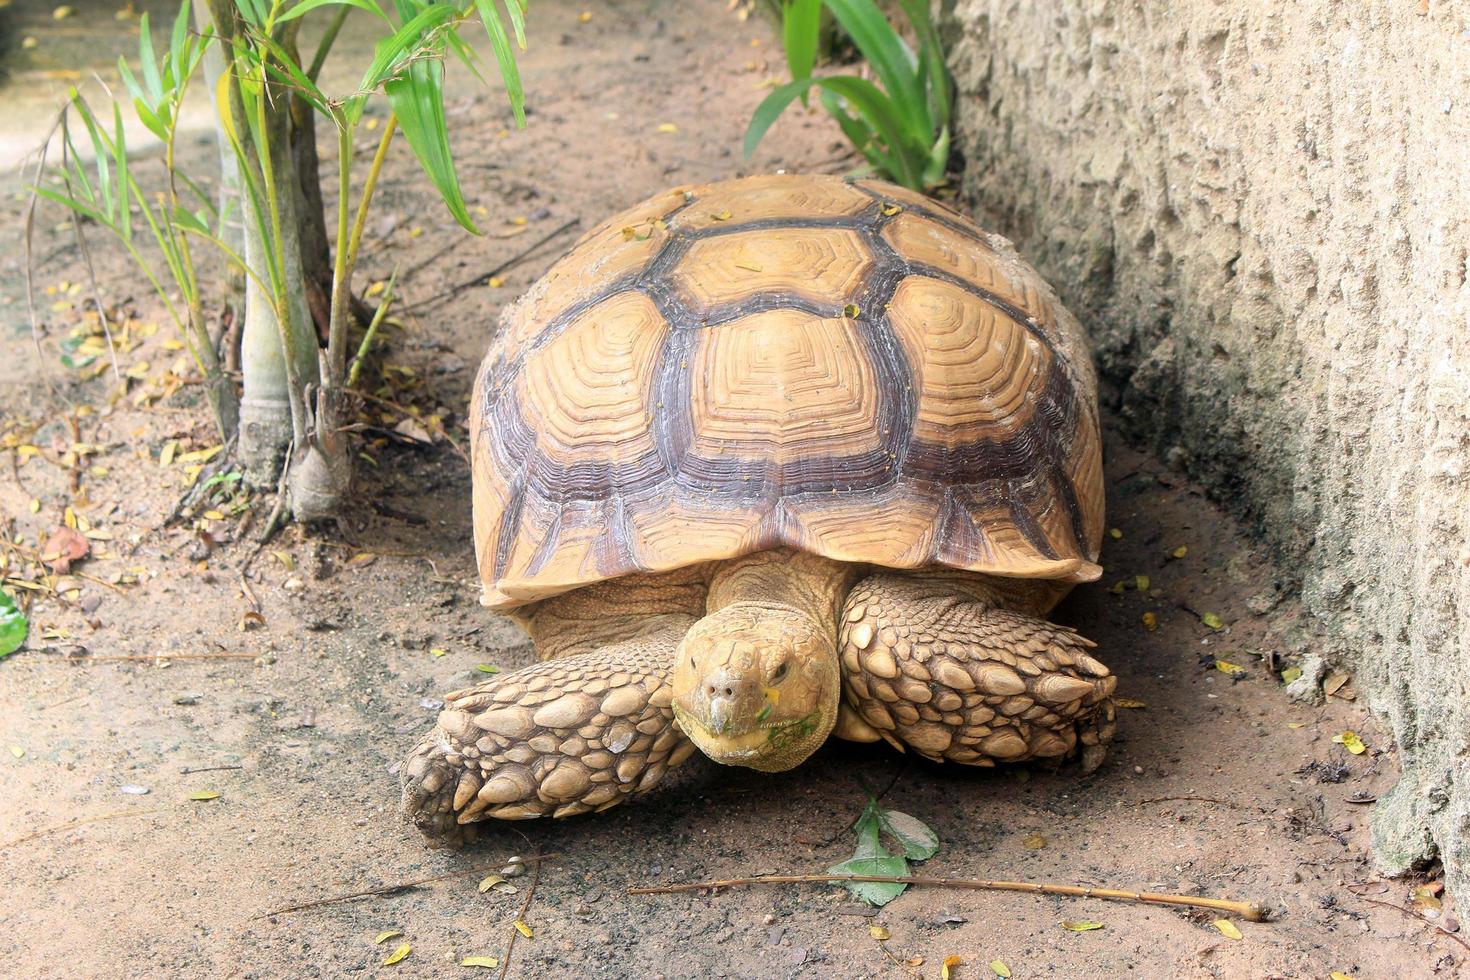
point(521, 915)
point(77, 823)
point(1250, 911)
point(145, 657)
point(1201, 799)
point(1416, 916)
point(393, 889)
point(189, 772)
point(516, 259)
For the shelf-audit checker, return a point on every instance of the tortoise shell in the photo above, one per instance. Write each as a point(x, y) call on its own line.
point(842, 367)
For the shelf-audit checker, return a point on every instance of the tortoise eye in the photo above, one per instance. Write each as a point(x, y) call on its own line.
point(781, 670)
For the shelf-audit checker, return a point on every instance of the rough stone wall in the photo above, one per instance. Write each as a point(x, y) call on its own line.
point(1262, 213)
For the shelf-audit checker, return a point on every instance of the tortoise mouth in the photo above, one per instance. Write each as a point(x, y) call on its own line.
point(771, 746)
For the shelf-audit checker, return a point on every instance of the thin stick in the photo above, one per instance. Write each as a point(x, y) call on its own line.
point(521, 256)
point(1200, 799)
point(77, 823)
point(1250, 911)
point(1437, 929)
point(153, 657)
point(190, 772)
point(521, 915)
point(392, 889)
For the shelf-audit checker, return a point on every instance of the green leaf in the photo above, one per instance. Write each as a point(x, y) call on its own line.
point(918, 841)
point(418, 100)
point(801, 25)
point(877, 893)
point(506, 58)
point(890, 57)
point(770, 110)
point(306, 6)
point(13, 626)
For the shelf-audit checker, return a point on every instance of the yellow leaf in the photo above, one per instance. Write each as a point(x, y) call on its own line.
point(35, 505)
point(97, 534)
point(214, 515)
point(1211, 620)
point(1115, 533)
point(1227, 928)
point(878, 932)
point(668, 128)
point(1083, 926)
point(1291, 674)
point(17, 751)
point(172, 344)
point(1034, 843)
point(201, 455)
point(889, 210)
point(950, 962)
point(1128, 703)
point(398, 955)
point(62, 13)
point(360, 559)
point(496, 282)
point(203, 795)
point(721, 215)
point(584, 17)
point(1226, 667)
point(1150, 621)
point(415, 232)
point(1118, 587)
point(519, 219)
point(1350, 741)
point(441, 652)
point(1180, 551)
point(166, 457)
point(1140, 582)
point(285, 559)
point(489, 962)
point(28, 43)
point(999, 968)
point(1339, 975)
point(383, 937)
point(851, 311)
point(69, 518)
point(524, 929)
point(487, 883)
point(1296, 724)
point(376, 288)
point(26, 452)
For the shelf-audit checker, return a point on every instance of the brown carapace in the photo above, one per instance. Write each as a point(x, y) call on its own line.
point(857, 426)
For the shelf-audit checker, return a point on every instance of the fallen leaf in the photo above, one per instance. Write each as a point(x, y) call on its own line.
point(62, 13)
point(1350, 741)
point(360, 559)
point(1211, 620)
point(523, 929)
point(495, 282)
point(17, 751)
point(1334, 682)
point(950, 962)
point(1227, 928)
point(1290, 674)
point(1150, 621)
point(1083, 926)
point(203, 795)
point(1140, 582)
point(398, 955)
point(889, 210)
point(1296, 724)
point(214, 515)
point(489, 962)
point(584, 17)
point(999, 968)
point(487, 668)
point(1339, 975)
point(1035, 842)
point(166, 456)
point(851, 311)
point(879, 933)
point(1226, 667)
point(487, 883)
point(383, 937)
point(1115, 533)
point(1118, 587)
point(1128, 703)
point(721, 215)
point(1426, 899)
point(671, 128)
point(62, 548)
point(1180, 551)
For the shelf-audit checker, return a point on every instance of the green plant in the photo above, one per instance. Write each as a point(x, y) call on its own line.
point(916, 842)
point(901, 129)
point(295, 393)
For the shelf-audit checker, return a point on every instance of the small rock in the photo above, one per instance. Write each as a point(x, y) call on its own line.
point(133, 789)
point(512, 870)
point(582, 909)
point(431, 704)
point(186, 699)
point(294, 585)
point(1262, 602)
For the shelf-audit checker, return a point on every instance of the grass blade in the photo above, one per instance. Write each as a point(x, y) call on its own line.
point(418, 101)
point(801, 23)
point(770, 110)
point(890, 58)
point(505, 56)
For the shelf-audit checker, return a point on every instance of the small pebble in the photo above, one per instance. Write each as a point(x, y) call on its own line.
point(133, 789)
point(512, 870)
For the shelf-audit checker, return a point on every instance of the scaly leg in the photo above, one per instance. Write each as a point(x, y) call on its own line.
point(577, 732)
point(958, 668)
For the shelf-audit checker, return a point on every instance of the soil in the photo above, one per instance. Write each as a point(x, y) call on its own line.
point(291, 681)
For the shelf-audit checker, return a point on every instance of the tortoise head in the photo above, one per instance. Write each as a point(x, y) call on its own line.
point(757, 686)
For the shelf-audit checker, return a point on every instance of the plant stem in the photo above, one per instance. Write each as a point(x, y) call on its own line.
point(372, 333)
point(1250, 911)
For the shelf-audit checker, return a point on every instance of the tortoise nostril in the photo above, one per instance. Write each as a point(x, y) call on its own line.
point(729, 692)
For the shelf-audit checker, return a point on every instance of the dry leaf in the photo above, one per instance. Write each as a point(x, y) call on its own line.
point(1035, 842)
point(1226, 667)
point(383, 937)
point(1227, 928)
point(1334, 682)
point(523, 929)
point(1296, 724)
point(879, 933)
point(62, 548)
point(1350, 741)
point(671, 128)
point(1180, 551)
point(1116, 533)
point(360, 559)
point(1212, 621)
point(999, 968)
point(1290, 674)
point(950, 962)
point(398, 955)
point(487, 883)
point(1083, 926)
point(584, 17)
point(1339, 975)
point(489, 962)
point(1150, 621)
point(203, 795)
point(1128, 703)
point(1140, 582)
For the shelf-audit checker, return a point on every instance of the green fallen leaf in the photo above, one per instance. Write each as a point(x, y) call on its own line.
point(1290, 674)
point(878, 893)
point(203, 795)
point(13, 626)
point(1083, 926)
point(999, 968)
point(1212, 621)
point(1140, 582)
point(487, 668)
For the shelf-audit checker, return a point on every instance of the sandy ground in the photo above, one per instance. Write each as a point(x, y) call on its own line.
point(1217, 784)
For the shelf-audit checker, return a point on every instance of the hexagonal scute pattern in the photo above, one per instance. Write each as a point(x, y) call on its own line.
point(802, 361)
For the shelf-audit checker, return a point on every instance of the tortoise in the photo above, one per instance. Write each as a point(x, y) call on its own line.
point(764, 460)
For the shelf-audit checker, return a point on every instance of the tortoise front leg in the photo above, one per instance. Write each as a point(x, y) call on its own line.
point(948, 667)
point(561, 737)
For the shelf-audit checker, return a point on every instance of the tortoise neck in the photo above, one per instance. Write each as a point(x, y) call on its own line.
point(609, 612)
point(809, 584)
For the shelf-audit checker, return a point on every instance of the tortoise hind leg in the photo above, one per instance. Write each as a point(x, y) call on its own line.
point(949, 667)
point(560, 737)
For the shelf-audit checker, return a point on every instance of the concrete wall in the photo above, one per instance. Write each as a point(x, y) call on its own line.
point(1262, 212)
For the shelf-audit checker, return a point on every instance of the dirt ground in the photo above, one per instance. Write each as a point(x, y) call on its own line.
point(1217, 785)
